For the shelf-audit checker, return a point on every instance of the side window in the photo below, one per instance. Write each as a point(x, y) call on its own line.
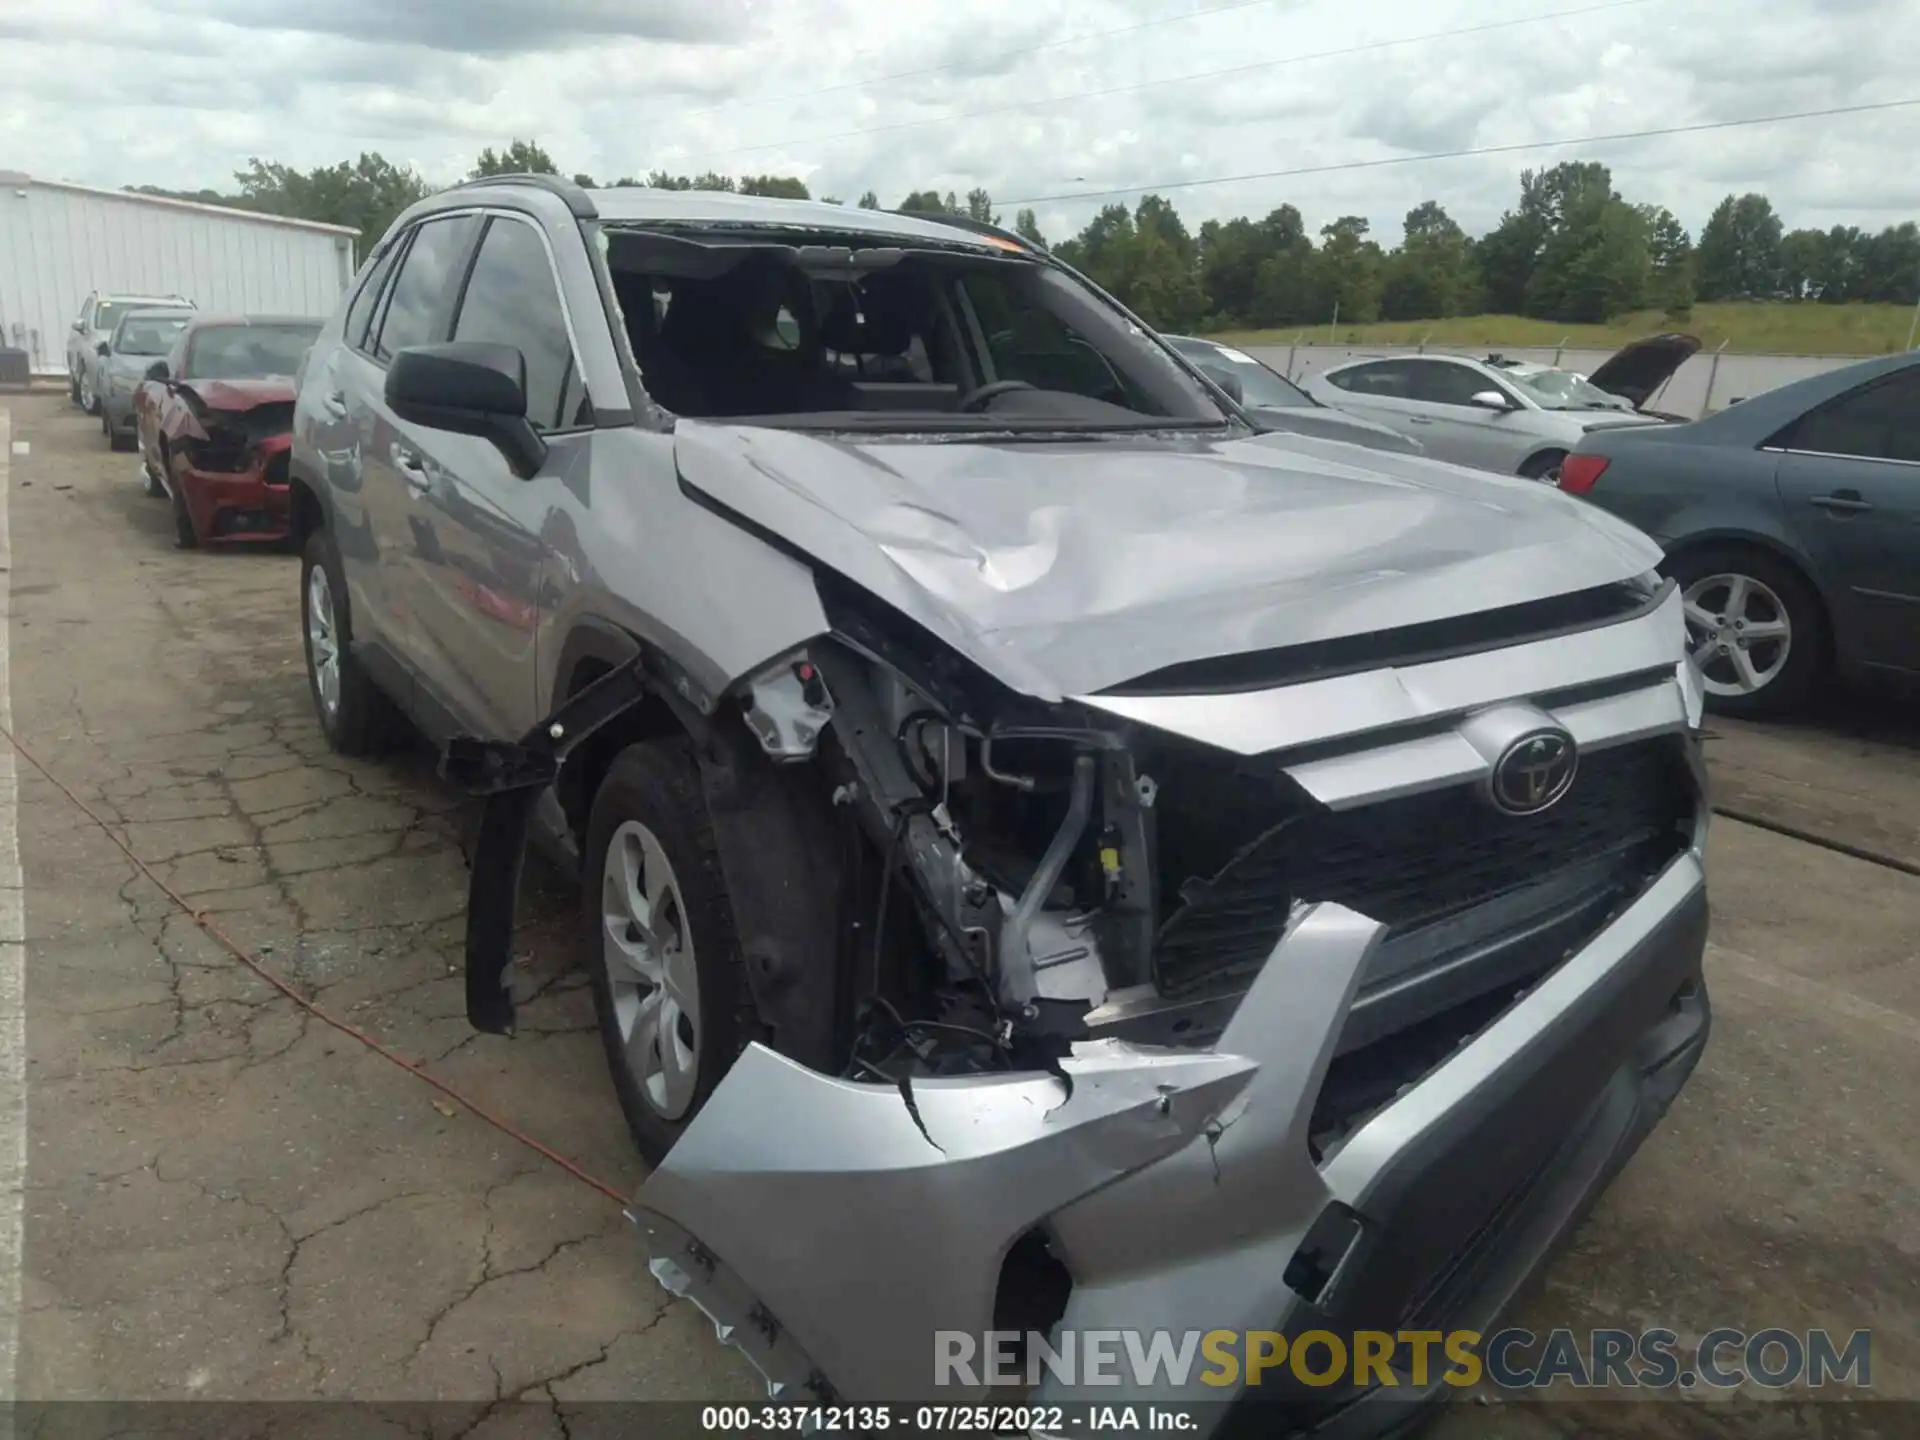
point(416, 310)
point(1385, 377)
point(1878, 421)
point(361, 311)
point(513, 299)
point(1444, 384)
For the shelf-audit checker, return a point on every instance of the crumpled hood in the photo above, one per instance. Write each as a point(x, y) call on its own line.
point(1064, 568)
point(243, 394)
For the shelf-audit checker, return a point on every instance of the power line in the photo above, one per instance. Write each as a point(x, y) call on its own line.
point(1368, 48)
point(994, 59)
point(1461, 154)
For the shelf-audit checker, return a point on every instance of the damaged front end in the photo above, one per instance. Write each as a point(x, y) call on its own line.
point(230, 462)
point(1265, 1008)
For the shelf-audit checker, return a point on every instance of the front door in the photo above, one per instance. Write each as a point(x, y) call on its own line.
point(1454, 428)
point(476, 563)
point(1849, 479)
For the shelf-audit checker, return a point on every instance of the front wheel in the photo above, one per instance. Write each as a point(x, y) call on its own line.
point(1755, 629)
point(89, 401)
point(669, 984)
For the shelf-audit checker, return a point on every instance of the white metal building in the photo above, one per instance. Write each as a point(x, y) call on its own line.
point(60, 241)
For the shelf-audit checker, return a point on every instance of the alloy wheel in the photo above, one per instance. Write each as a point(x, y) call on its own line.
point(323, 645)
point(1739, 633)
point(647, 949)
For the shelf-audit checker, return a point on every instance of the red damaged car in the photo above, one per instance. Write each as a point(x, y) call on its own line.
point(215, 420)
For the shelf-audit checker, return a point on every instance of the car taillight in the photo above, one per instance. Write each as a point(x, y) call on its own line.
point(1579, 472)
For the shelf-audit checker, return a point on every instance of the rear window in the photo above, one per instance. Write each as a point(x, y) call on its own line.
point(245, 352)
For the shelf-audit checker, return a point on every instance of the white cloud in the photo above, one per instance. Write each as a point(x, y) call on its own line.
point(180, 93)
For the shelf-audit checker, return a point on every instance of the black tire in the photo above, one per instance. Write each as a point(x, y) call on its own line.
point(364, 720)
point(656, 784)
point(121, 441)
point(1545, 466)
point(1810, 640)
point(73, 386)
point(154, 487)
point(185, 536)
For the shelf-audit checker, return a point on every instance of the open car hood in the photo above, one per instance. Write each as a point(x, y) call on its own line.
point(1636, 372)
point(1064, 567)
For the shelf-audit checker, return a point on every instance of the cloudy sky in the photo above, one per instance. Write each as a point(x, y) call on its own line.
point(1030, 98)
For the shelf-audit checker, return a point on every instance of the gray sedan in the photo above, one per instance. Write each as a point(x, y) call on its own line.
point(1791, 522)
point(139, 338)
point(1274, 402)
point(1494, 414)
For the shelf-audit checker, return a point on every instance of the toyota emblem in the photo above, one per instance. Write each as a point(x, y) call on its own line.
point(1534, 772)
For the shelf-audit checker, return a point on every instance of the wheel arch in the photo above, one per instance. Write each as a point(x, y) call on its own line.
point(1540, 453)
point(593, 648)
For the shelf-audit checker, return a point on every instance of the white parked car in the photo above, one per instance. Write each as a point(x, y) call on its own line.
point(1512, 416)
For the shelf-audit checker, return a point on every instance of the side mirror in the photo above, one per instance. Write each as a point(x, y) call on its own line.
point(1490, 400)
point(158, 371)
point(103, 349)
point(470, 388)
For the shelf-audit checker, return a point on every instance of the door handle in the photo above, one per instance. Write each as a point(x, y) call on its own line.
point(1841, 502)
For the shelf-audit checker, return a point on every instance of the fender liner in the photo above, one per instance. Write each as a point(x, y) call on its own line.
point(512, 776)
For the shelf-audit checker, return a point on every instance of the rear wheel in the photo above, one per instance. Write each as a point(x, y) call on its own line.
point(154, 487)
point(669, 984)
point(1544, 467)
point(1755, 628)
point(355, 714)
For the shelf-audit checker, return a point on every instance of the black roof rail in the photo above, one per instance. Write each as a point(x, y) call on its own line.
point(978, 227)
point(578, 201)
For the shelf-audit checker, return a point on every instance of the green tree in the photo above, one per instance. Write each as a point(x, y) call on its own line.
point(927, 202)
point(522, 157)
point(1348, 271)
point(1890, 265)
point(366, 194)
point(1803, 261)
point(585, 182)
point(1670, 257)
point(869, 201)
point(980, 206)
point(1431, 275)
point(1137, 256)
point(1739, 254)
point(1254, 272)
point(1027, 225)
point(776, 187)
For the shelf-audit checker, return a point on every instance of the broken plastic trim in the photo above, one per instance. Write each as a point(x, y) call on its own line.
point(512, 776)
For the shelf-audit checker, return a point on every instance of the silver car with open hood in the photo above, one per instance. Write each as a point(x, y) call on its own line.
point(1052, 859)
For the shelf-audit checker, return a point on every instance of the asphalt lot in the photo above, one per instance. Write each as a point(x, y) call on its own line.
point(225, 1199)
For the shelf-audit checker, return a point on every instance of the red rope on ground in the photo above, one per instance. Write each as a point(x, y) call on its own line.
point(414, 1068)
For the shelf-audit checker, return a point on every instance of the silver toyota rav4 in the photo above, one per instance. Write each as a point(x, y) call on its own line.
point(1053, 860)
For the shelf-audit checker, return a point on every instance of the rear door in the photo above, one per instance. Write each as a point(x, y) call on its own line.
point(1849, 479)
point(415, 309)
point(1383, 391)
point(475, 563)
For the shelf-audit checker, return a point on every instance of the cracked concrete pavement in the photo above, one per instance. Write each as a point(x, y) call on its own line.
point(226, 1199)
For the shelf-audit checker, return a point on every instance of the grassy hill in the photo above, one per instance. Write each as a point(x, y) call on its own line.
point(1748, 327)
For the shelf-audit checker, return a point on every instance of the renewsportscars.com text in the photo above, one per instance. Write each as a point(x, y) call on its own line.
point(1512, 1359)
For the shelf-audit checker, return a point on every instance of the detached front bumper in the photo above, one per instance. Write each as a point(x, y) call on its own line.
point(250, 504)
point(830, 1232)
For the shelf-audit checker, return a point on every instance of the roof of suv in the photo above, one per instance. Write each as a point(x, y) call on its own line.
point(145, 302)
point(638, 204)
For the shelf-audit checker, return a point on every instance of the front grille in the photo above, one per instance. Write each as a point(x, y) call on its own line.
point(1415, 861)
